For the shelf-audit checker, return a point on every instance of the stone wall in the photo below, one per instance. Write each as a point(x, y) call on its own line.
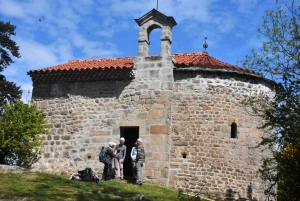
point(82, 117)
point(193, 115)
point(203, 108)
point(88, 115)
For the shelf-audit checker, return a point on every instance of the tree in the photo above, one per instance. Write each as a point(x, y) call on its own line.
point(279, 60)
point(7, 44)
point(289, 162)
point(9, 92)
point(20, 128)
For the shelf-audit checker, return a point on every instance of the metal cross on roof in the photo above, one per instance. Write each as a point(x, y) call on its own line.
point(157, 5)
point(205, 44)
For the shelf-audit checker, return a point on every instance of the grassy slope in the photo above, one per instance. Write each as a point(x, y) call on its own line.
point(38, 186)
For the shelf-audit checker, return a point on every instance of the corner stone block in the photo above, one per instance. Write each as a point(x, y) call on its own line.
point(152, 114)
point(159, 129)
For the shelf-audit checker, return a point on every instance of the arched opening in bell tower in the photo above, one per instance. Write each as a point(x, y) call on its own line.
point(154, 42)
point(154, 34)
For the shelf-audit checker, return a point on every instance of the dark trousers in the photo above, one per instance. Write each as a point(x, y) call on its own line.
point(139, 172)
point(107, 171)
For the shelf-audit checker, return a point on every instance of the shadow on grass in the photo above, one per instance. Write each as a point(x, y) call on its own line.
point(39, 186)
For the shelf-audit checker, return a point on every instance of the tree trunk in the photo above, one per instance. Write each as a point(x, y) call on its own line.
point(2, 159)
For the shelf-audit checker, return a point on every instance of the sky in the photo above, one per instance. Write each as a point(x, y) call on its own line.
point(52, 32)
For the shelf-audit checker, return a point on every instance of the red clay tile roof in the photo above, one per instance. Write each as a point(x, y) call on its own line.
point(126, 62)
point(197, 59)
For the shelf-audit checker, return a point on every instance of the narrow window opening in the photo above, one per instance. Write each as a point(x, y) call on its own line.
point(155, 42)
point(233, 130)
point(89, 157)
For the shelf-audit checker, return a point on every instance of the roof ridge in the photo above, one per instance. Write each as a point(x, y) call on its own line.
point(99, 59)
point(192, 59)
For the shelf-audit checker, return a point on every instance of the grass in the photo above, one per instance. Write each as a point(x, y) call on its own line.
point(39, 186)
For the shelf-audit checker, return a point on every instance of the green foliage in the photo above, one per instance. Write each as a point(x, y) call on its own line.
point(7, 44)
point(9, 92)
point(279, 60)
point(289, 160)
point(20, 126)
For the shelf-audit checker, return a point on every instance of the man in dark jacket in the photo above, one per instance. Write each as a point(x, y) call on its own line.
point(139, 161)
point(109, 155)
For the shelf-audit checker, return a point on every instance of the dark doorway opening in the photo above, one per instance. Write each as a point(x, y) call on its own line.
point(131, 134)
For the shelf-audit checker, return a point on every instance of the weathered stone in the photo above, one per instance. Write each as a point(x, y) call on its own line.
point(43, 104)
point(159, 129)
point(65, 137)
point(99, 133)
point(152, 114)
point(254, 133)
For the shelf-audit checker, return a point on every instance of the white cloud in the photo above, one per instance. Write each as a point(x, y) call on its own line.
point(11, 8)
point(34, 55)
point(24, 9)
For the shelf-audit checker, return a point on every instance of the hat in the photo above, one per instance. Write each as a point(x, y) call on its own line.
point(123, 139)
point(140, 139)
point(111, 144)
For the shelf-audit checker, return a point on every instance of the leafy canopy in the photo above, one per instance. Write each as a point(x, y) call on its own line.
point(20, 128)
point(279, 60)
point(9, 92)
point(7, 44)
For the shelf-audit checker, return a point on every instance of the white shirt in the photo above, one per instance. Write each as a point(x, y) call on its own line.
point(133, 153)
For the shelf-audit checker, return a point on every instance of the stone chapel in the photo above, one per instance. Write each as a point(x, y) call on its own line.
point(186, 107)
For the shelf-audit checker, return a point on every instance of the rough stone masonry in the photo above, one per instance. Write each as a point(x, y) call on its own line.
point(183, 111)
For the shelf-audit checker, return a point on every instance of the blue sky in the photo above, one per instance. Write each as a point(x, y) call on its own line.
point(51, 32)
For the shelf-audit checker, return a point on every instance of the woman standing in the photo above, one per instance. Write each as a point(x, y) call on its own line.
point(109, 155)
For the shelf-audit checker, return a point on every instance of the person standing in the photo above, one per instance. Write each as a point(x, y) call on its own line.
point(139, 161)
point(119, 159)
point(109, 155)
point(133, 157)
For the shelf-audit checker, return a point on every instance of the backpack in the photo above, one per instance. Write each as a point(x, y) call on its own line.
point(86, 174)
point(102, 155)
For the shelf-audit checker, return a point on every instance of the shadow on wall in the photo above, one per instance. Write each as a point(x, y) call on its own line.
point(183, 73)
point(190, 183)
point(92, 89)
point(232, 195)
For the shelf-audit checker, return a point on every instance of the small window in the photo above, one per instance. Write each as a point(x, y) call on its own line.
point(233, 130)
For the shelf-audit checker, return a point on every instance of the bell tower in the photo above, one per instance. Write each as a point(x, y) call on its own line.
point(153, 20)
point(156, 70)
point(154, 82)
